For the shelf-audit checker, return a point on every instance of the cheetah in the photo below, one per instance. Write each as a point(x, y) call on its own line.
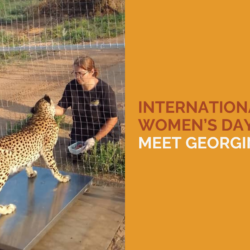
point(21, 149)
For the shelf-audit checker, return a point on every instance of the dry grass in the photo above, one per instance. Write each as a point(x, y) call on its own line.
point(73, 8)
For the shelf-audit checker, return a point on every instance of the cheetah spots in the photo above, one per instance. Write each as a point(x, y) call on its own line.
point(19, 149)
point(7, 209)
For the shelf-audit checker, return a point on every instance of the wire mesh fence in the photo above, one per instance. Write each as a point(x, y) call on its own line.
point(39, 41)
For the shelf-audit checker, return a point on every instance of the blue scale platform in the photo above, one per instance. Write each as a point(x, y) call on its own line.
point(40, 202)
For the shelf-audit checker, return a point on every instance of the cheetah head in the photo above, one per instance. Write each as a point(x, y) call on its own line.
point(44, 105)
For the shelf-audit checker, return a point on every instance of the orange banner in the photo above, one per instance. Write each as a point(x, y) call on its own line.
point(187, 77)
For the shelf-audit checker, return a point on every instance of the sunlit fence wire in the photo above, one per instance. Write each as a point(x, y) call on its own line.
point(39, 40)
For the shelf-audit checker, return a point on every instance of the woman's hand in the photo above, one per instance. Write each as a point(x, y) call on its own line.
point(90, 143)
point(106, 128)
point(59, 110)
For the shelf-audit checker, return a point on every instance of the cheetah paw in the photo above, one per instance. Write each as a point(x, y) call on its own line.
point(8, 209)
point(32, 175)
point(65, 178)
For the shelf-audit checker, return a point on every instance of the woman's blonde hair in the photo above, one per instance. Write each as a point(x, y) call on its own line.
point(86, 63)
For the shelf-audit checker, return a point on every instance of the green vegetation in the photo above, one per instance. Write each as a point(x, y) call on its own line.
point(85, 30)
point(19, 56)
point(15, 10)
point(11, 39)
point(72, 32)
point(14, 128)
point(109, 158)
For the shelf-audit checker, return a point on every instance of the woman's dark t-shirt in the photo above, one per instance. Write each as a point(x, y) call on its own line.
point(90, 110)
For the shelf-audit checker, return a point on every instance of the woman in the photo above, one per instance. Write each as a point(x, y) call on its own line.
point(93, 106)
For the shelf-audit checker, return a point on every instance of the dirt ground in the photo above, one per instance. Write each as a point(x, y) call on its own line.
point(23, 83)
point(118, 242)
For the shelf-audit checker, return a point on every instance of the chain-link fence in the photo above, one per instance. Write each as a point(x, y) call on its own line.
point(39, 41)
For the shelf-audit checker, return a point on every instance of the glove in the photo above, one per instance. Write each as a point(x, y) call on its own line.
point(90, 143)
